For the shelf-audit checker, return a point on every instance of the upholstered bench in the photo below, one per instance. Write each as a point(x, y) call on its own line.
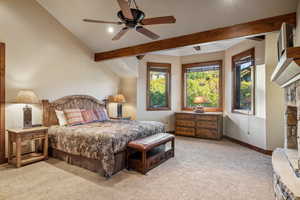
point(146, 153)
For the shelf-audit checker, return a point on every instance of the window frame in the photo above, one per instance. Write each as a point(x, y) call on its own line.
point(168, 85)
point(183, 88)
point(235, 58)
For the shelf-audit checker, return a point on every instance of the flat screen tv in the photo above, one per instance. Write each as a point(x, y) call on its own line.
point(285, 39)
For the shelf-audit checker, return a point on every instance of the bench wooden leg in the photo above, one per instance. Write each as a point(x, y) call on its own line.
point(144, 161)
point(173, 147)
point(127, 158)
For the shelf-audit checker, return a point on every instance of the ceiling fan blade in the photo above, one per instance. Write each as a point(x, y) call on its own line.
point(100, 21)
point(147, 33)
point(121, 33)
point(159, 20)
point(125, 9)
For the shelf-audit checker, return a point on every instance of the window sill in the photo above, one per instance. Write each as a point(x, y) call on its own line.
point(205, 109)
point(242, 112)
point(158, 109)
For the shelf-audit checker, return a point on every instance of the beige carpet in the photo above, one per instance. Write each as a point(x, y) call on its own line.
point(202, 169)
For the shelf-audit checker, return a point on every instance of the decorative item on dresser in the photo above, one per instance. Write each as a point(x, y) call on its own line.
point(27, 97)
point(199, 100)
point(17, 136)
point(202, 125)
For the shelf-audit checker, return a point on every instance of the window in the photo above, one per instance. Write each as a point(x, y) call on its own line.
point(202, 80)
point(158, 86)
point(243, 68)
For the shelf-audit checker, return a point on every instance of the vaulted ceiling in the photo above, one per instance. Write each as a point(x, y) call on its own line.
point(192, 16)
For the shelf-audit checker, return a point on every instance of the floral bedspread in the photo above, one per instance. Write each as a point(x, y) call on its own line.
point(101, 140)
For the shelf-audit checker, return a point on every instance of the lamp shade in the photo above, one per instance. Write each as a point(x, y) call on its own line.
point(27, 97)
point(119, 98)
point(199, 100)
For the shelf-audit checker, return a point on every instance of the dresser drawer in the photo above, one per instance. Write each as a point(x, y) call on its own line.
point(185, 116)
point(207, 117)
point(207, 124)
point(207, 133)
point(185, 131)
point(185, 123)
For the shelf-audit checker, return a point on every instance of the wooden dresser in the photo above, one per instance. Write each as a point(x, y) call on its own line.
point(202, 125)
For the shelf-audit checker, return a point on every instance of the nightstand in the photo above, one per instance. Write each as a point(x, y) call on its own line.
point(17, 136)
point(121, 118)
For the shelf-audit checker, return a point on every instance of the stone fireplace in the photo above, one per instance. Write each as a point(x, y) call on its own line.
point(292, 123)
point(286, 161)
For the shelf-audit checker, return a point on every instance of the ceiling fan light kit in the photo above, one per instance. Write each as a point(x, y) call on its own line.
point(133, 18)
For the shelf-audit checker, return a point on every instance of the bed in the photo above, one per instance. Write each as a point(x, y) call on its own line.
point(100, 146)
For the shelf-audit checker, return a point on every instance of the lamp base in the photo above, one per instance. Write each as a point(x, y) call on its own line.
point(199, 109)
point(27, 117)
point(120, 110)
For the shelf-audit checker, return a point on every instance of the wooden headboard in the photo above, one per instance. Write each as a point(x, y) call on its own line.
point(68, 102)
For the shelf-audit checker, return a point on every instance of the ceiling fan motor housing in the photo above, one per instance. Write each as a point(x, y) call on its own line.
point(137, 14)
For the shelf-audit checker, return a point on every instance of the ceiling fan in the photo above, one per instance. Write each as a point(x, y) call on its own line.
point(133, 18)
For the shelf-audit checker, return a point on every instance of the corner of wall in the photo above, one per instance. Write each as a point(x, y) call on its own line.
point(297, 38)
point(274, 98)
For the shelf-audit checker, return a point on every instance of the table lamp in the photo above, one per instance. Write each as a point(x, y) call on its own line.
point(27, 97)
point(119, 99)
point(199, 100)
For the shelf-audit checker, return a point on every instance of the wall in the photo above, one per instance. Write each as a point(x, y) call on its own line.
point(275, 97)
point(166, 117)
point(249, 129)
point(127, 69)
point(203, 57)
point(42, 55)
point(128, 87)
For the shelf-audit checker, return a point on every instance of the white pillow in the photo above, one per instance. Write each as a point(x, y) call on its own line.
point(61, 117)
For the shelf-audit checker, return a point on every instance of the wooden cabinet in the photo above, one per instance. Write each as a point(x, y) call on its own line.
point(204, 125)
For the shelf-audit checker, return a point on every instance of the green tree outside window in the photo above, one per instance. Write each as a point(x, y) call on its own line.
point(203, 83)
point(158, 89)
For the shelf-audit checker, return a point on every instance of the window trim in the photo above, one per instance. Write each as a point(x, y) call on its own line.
point(169, 96)
point(201, 64)
point(249, 52)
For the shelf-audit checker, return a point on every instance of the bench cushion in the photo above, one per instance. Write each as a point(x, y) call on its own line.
point(150, 142)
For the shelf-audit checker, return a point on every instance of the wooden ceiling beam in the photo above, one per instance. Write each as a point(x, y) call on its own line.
point(240, 30)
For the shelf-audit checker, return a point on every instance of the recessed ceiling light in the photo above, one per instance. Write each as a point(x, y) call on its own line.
point(228, 1)
point(197, 48)
point(110, 29)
